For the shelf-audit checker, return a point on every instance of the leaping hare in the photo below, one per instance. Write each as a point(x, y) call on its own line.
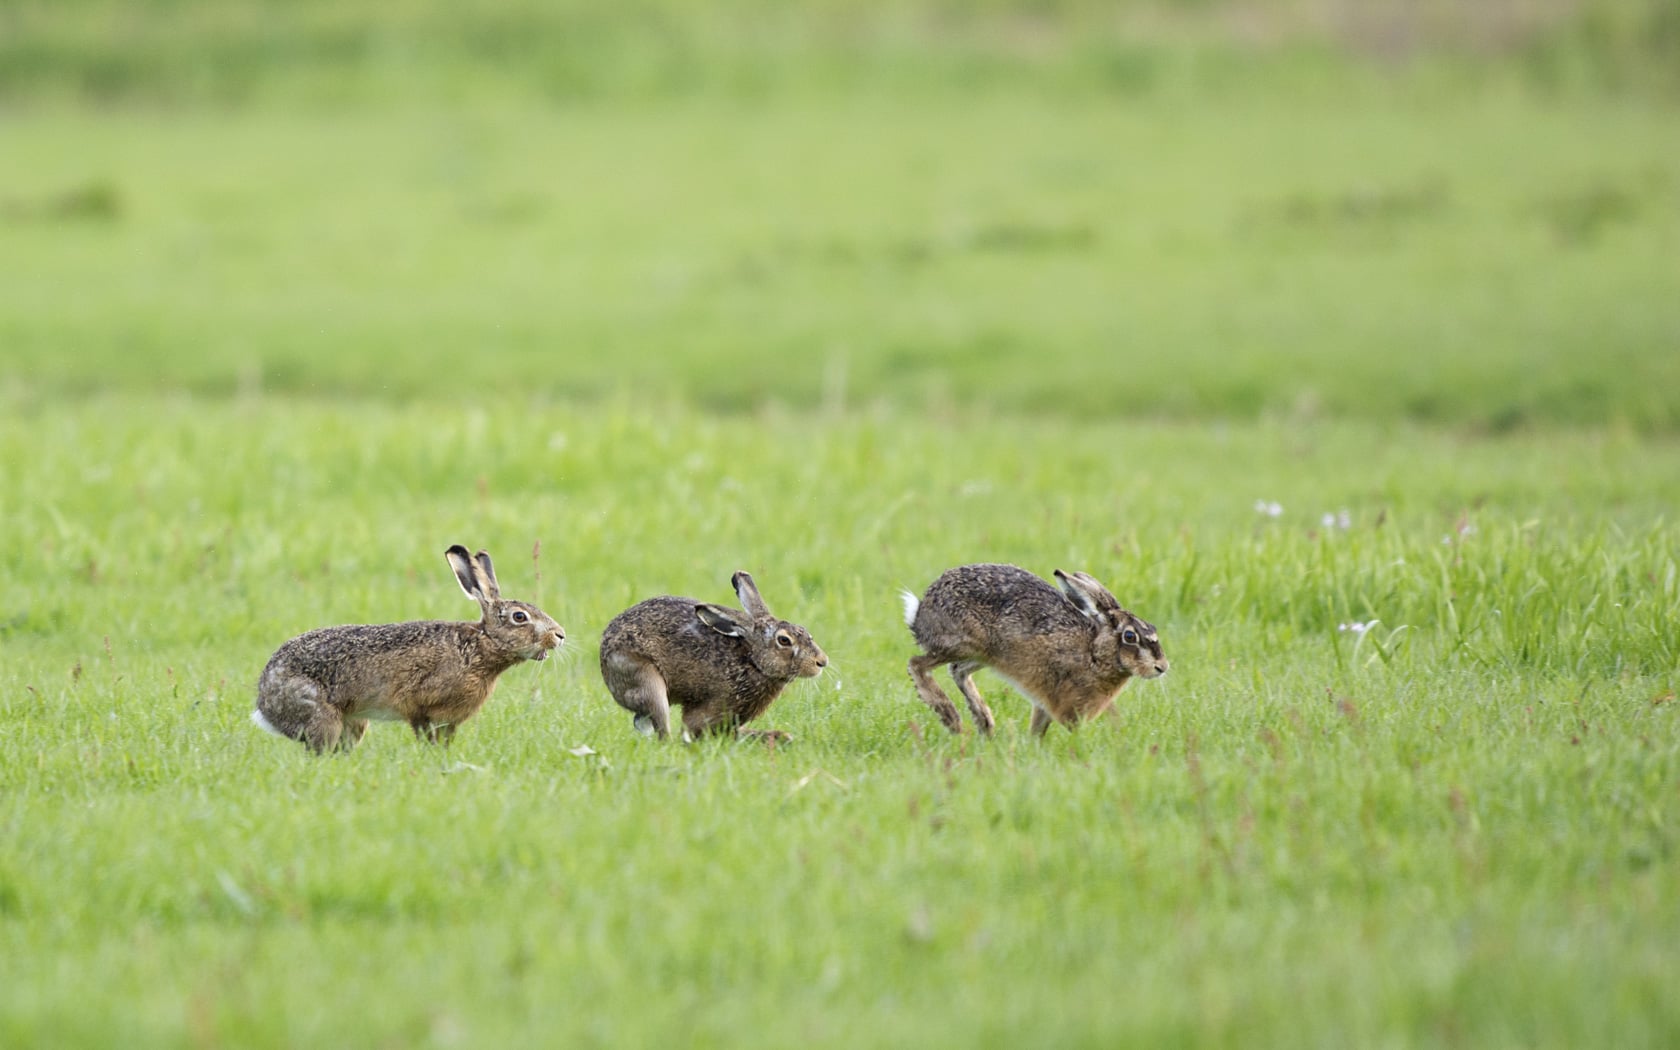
point(1069, 652)
point(722, 666)
point(323, 687)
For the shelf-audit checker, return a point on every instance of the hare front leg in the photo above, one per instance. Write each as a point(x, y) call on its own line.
point(639, 688)
point(963, 674)
point(1040, 720)
point(931, 694)
point(354, 730)
point(711, 717)
point(432, 732)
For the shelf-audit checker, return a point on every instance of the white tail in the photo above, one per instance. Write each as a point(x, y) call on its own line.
point(263, 723)
point(911, 604)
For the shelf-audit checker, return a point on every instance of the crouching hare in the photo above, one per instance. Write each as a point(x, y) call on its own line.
point(722, 666)
point(1069, 652)
point(323, 687)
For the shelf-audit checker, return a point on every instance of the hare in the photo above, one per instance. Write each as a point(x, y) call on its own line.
point(323, 687)
point(1069, 652)
point(722, 666)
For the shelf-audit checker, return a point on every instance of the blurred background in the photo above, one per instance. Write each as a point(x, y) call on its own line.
point(1442, 211)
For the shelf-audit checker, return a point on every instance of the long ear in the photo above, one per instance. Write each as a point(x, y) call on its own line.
point(487, 575)
point(726, 622)
point(1087, 595)
point(747, 591)
point(466, 573)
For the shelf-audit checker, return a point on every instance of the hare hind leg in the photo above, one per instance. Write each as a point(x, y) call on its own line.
point(291, 706)
point(962, 673)
point(931, 694)
point(639, 688)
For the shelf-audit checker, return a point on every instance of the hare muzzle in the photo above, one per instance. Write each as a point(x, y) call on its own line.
point(549, 642)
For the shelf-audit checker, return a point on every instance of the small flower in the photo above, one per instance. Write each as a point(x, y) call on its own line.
point(1270, 508)
point(1341, 519)
point(1356, 627)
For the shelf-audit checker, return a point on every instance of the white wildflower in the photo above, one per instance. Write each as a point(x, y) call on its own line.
point(1270, 508)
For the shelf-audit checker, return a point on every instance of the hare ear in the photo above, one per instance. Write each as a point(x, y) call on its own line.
point(487, 575)
point(466, 572)
point(1087, 595)
point(747, 591)
point(726, 622)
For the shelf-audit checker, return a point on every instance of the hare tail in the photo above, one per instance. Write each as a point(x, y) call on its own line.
point(264, 724)
point(911, 604)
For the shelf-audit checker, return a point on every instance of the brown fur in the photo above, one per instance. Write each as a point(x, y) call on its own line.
point(722, 666)
point(1065, 650)
point(322, 688)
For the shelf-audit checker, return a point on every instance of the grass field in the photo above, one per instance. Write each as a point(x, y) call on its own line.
point(267, 349)
point(1075, 256)
point(1458, 827)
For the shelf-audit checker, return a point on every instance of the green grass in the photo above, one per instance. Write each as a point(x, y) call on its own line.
point(293, 296)
point(1458, 828)
point(1382, 259)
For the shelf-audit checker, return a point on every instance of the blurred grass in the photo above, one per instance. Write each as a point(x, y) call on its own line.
point(246, 50)
point(1379, 258)
point(1169, 210)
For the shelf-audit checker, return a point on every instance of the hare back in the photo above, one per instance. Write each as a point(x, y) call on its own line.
point(984, 611)
point(384, 671)
point(698, 664)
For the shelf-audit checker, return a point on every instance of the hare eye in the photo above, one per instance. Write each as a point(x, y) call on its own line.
point(520, 616)
point(1129, 636)
point(784, 640)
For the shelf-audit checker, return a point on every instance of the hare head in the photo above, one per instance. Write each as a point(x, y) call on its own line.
point(1121, 639)
point(780, 650)
point(519, 628)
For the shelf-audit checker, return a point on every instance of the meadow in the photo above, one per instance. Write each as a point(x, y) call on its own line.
point(1359, 383)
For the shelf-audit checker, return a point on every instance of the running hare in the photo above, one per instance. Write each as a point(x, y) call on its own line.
point(323, 687)
point(722, 666)
point(1067, 651)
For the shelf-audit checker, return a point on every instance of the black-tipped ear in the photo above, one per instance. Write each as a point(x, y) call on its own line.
point(1087, 595)
point(747, 591)
point(466, 573)
point(726, 622)
point(487, 577)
